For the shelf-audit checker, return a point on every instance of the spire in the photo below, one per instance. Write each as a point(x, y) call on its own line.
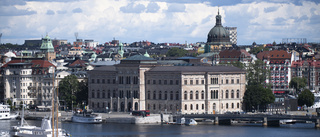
point(218, 19)
point(218, 10)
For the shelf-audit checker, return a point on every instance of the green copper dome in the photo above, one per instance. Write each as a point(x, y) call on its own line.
point(46, 45)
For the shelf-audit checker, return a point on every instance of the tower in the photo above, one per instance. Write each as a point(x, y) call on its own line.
point(47, 49)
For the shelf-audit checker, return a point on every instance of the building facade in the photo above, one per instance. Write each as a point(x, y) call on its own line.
point(309, 69)
point(233, 34)
point(138, 83)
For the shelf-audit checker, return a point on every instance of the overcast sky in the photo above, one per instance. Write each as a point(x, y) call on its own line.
point(262, 21)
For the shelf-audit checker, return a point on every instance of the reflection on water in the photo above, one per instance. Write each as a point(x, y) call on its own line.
point(110, 129)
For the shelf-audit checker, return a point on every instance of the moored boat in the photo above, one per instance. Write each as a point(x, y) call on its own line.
point(86, 117)
point(5, 113)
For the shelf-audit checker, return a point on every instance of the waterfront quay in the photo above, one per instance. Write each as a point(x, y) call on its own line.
point(217, 119)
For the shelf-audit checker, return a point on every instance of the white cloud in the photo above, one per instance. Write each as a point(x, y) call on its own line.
point(157, 21)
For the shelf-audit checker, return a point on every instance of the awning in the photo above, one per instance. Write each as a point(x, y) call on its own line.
point(278, 91)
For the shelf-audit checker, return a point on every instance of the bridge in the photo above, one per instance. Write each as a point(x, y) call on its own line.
point(266, 120)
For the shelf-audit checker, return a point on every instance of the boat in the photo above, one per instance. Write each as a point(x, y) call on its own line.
point(191, 122)
point(5, 113)
point(316, 100)
point(86, 117)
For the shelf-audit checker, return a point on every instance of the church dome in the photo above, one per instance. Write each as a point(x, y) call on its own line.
point(218, 35)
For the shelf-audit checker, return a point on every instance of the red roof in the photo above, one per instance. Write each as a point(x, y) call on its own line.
point(279, 55)
point(35, 63)
point(310, 63)
point(78, 63)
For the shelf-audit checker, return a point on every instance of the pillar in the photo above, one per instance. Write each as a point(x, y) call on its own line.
point(216, 120)
point(265, 121)
point(317, 123)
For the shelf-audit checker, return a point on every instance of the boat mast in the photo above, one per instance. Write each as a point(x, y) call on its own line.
point(52, 102)
point(57, 111)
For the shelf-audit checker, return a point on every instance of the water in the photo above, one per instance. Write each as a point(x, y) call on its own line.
point(111, 129)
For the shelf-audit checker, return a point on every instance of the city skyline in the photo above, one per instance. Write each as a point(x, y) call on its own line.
point(159, 21)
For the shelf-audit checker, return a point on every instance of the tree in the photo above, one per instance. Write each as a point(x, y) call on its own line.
point(306, 98)
point(68, 89)
point(256, 96)
point(298, 83)
point(176, 52)
point(256, 73)
point(82, 95)
point(258, 49)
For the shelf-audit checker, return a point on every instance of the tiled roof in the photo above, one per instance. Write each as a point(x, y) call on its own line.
point(274, 54)
point(35, 63)
point(138, 57)
point(301, 62)
point(78, 63)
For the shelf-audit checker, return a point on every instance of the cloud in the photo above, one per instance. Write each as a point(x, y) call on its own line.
point(77, 10)
point(176, 7)
point(13, 11)
point(133, 8)
point(12, 2)
point(61, 11)
point(270, 9)
point(153, 7)
point(50, 12)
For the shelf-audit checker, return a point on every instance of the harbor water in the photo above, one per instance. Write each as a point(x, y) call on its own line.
point(112, 129)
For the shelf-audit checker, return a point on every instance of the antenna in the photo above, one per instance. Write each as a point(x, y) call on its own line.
point(76, 35)
point(0, 37)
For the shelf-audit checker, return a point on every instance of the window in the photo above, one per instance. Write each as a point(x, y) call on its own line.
point(202, 94)
point(191, 82)
point(227, 94)
point(191, 95)
point(197, 106)
point(92, 95)
point(160, 95)
point(103, 94)
point(148, 94)
point(177, 82)
point(238, 81)
point(232, 106)
point(92, 80)
point(197, 82)
point(202, 107)
point(165, 82)
point(191, 106)
point(148, 82)
point(227, 106)
point(238, 93)
point(103, 81)
point(154, 94)
point(98, 81)
point(171, 82)
point(185, 95)
point(232, 81)
point(185, 107)
point(197, 95)
point(159, 82)
point(202, 82)
point(177, 95)
point(232, 94)
point(227, 81)
point(212, 94)
point(98, 94)
point(185, 82)
point(221, 81)
point(154, 81)
point(221, 94)
point(238, 105)
point(171, 95)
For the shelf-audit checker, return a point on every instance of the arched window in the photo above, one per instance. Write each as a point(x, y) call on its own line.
point(202, 106)
point(227, 105)
point(191, 106)
point(238, 105)
point(227, 94)
point(212, 94)
point(238, 93)
point(185, 95)
point(197, 107)
point(165, 95)
point(197, 95)
point(217, 94)
point(191, 95)
point(202, 94)
point(160, 95)
point(232, 94)
point(177, 95)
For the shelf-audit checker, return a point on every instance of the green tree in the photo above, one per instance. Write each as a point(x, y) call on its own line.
point(298, 83)
point(68, 89)
point(258, 49)
point(176, 52)
point(82, 95)
point(237, 64)
point(256, 73)
point(306, 98)
point(9, 102)
point(256, 96)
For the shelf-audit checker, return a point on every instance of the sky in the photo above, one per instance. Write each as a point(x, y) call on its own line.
point(158, 21)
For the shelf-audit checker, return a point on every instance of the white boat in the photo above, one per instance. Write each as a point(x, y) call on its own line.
point(33, 131)
point(88, 117)
point(5, 113)
point(316, 100)
point(25, 130)
point(191, 122)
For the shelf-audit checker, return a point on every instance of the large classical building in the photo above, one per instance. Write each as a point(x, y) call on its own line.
point(218, 37)
point(139, 83)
